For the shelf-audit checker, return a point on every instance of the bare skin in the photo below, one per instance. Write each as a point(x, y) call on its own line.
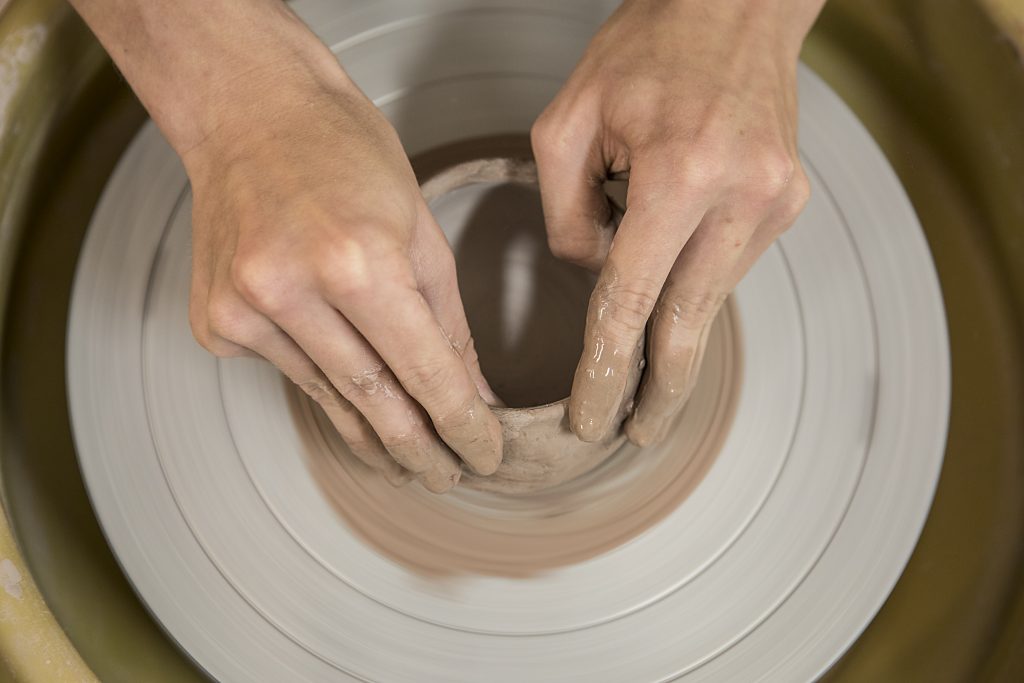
point(696, 102)
point(313, 247)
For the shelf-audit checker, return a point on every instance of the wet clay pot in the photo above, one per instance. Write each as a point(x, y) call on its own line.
point(488, 209)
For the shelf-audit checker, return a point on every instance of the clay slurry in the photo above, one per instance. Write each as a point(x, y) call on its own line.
point(555, 500)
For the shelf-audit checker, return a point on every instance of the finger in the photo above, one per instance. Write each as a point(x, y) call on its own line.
point(779, 220)
point(659, 221)
point(435, 273)
point(199, 320)
point(353, 428)
point(397, 321)
point(571, 170)
point(693, 294)
point(252, 331)
point(361, 377)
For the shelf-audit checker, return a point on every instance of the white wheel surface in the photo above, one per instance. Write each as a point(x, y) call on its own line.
point(768, 570)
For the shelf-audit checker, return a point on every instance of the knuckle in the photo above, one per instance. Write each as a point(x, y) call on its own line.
point(773, 171)
point(429, 382)
point(700, 173)
point(799, 193)
point(624, 308)
point(228, 319)
point(794, 201)
point(198, 323)
point(559, 128)
point(346, 268)
point(689, 312)
point(543, 133)
point(204, 338)
point(259, 281)
point(215, 345)
point(321, 391)
point(368, 386)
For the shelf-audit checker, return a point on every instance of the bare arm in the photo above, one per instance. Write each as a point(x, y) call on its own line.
point(696, 100)
point(188, 60)
point(312, 245)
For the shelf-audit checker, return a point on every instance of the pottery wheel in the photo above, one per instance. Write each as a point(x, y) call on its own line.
point(820, 454)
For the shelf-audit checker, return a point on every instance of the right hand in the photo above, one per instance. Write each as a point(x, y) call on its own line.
point(313, 248)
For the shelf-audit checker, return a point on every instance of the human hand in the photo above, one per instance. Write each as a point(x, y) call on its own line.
point(696, 103)
point(313, 248)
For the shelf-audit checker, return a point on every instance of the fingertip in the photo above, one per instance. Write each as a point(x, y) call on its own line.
point(488, 466)
point(585, 424)
point(476, 436)
point(440, 480)
point(398, 477)
point(642, 433)
point(488, 460)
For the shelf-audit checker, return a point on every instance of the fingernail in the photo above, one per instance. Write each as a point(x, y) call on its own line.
point(476, 437)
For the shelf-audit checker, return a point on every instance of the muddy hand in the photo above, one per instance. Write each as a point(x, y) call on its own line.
point(312, 245)
point(697, 102)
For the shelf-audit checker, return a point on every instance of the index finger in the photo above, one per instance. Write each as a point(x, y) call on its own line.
point(659, 219)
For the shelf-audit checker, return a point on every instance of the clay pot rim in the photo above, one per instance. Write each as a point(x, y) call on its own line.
point(515, 170)
point(561, 405)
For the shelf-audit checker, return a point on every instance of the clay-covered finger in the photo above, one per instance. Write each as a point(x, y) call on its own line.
point(651, 235)
point(682, 319)
point(675, 348)
point(405, 332)
point(363, 380)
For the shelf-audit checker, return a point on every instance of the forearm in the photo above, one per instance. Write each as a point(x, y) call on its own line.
point(189, 60)
point(801, 15)
point(779, 26)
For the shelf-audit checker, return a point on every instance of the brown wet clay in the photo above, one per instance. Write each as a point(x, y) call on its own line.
point(555, 500)
point(494, 533)
point(540, 449)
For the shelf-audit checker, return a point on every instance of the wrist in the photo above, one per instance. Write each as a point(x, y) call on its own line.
point(780, 26)
point(247, 86)
point(200, 66)
point(248, 110)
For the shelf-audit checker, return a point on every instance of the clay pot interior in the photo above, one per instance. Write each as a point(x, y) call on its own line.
point(527, 312)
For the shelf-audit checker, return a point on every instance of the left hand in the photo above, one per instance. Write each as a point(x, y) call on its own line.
point(696, 101)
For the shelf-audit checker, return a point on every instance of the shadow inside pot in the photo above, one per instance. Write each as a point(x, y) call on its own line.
point(526, 309)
